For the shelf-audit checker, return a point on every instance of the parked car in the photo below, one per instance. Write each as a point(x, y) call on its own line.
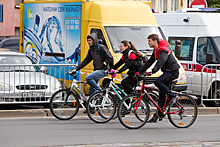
point(20, 82)
point(10, 43)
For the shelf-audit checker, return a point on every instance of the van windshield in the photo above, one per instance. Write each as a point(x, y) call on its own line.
point(137, 35)
point(217, 41)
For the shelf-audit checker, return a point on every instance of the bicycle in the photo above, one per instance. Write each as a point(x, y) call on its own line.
point(98, 107)
point(133, 111)
point(64, 103)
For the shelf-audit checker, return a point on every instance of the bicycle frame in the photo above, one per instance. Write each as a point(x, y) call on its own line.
point(115, 88)
point(165, 108)
point(81, 94)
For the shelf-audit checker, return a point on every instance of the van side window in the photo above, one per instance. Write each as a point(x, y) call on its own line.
point(205, 45)
point(187, 45)
point(99, 35)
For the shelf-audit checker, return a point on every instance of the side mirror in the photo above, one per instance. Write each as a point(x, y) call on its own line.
point(177, 48)
point(43, 69)
point(209, 59)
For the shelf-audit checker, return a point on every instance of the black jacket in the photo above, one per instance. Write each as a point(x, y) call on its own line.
point(97, 58)
point(165, 59)
point(131, 64)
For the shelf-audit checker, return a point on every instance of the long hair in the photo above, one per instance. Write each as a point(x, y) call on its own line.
point(132, 47)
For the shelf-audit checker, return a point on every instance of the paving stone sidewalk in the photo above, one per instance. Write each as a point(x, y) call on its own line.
point(157, 144)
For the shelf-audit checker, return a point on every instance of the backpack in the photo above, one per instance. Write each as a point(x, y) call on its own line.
point(144, 59)
point(99, 49)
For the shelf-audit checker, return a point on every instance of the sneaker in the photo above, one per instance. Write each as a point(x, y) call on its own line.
point(153, 119)
point(124, 111)
point(173, 100)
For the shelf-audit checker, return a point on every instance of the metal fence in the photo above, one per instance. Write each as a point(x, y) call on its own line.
point(210, 83)
point(29, 84)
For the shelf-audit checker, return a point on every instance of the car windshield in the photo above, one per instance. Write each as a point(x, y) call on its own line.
point(137, 35)
point(16, 60)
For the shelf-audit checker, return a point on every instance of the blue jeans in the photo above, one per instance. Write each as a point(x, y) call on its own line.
point(93, 79)
point(163, 83)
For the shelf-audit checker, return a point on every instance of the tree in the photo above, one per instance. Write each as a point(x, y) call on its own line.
point(213, 3)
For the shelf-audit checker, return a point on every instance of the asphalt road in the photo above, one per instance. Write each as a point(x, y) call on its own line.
point(48, 131)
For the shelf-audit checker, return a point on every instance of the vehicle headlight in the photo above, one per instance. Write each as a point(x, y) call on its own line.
point(4, 87)
point(123, 76)
point(56, 85)
point(182, 79)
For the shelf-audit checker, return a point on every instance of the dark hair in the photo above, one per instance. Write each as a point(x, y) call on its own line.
point(154, 37)
point(132, 47)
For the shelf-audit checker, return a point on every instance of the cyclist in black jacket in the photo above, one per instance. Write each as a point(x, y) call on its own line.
point(168, 65)
point(132, 60)
point(102, 61)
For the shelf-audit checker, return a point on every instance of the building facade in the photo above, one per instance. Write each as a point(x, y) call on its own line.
point(11, 13)
point(169, 5)
point(11, 18)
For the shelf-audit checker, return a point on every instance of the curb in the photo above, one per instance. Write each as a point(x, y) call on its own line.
point(47, 113)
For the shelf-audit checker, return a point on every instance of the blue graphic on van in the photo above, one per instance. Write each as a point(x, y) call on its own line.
point(33, 47)
point(53, 28)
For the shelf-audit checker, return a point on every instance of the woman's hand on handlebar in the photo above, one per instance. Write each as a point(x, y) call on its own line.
point(136, 74)
point(149, 73)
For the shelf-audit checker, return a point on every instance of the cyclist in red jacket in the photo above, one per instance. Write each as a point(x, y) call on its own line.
point(168, 65)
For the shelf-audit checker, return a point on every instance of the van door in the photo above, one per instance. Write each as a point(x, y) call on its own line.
point(204, 45)
point(186, 56)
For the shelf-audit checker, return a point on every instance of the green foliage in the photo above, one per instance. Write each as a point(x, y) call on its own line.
point(213, 3)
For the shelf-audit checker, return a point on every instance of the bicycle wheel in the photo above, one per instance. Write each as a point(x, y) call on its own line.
point(128, 116)
point(64, 104)
point(100, 108)
point(185, 112)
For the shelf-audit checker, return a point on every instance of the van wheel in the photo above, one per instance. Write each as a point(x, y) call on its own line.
point(216, 95)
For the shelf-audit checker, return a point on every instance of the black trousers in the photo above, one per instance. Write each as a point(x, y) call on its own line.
point(163, 82)
point(128, 83)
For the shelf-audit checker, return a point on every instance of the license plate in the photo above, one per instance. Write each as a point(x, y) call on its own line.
point(33, 94)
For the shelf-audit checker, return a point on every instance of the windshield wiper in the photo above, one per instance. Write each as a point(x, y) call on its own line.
point(20, 70)
point(146, 50)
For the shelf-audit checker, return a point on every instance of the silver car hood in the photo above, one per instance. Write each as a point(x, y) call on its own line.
point(26, 78)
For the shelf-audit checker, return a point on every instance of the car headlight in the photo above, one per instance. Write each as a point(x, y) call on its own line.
point(56, 85)
point(4, 87)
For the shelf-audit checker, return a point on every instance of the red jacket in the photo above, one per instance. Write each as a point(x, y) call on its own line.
point(164, 57)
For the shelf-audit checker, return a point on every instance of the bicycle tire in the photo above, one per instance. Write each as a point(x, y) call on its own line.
point(186, 118)
point(152, 94)
point(98, 110)
point(130, 119)
point(64, 110)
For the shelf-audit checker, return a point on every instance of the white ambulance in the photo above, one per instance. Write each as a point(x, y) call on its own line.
point(199, 34)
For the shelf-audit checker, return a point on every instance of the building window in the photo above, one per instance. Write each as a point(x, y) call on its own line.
point(17, 3)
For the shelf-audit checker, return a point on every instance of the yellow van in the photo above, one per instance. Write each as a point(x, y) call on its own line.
point(60, 28)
